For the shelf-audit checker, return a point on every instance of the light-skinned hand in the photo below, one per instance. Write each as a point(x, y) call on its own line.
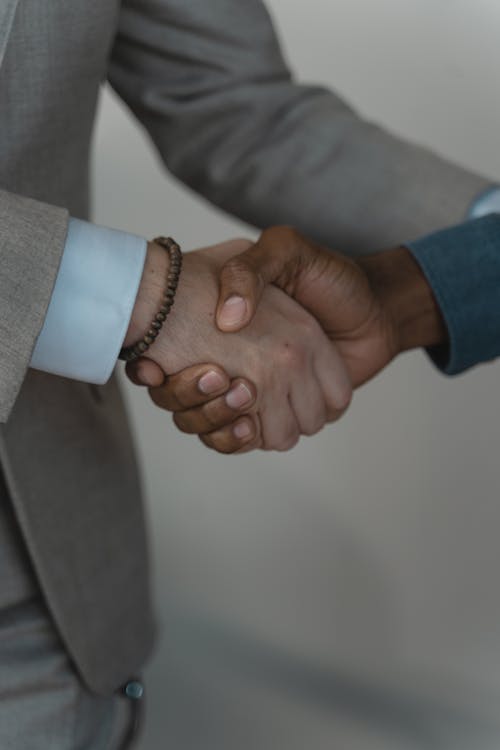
point(297, 381)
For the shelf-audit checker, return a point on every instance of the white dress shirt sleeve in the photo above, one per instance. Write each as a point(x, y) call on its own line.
point(487, 203)
point(91, 304)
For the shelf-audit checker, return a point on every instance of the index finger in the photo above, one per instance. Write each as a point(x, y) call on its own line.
point(191, 387)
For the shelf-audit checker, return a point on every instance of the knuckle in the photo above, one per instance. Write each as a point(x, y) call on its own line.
point(212, 416)
point(315, 426)
point(237, 267)
point(220, 443)
point(283, 443)
point(334, 415)
point(183, 424)
point(169, 395)
point(311, 329)
point(252, 446)
point(208, 442)
point(289, 443)
point(340, 406)
point(157, 396)
point(344, 398)
point(181, 397)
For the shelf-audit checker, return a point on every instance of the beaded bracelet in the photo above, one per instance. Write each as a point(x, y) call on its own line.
point(130, 353)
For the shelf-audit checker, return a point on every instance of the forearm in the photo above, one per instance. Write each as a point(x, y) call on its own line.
point(230, 121)
point(462, 265)
point(443, 293)
point(312, 163)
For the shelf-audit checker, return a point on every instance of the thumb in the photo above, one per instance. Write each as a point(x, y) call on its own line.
point(272, 259)
point(241, 286)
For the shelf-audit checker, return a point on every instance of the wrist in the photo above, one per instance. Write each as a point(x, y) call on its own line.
point(406, 298)
point(150, 293)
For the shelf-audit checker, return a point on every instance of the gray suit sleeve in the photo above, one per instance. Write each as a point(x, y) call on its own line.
point(32, 238)
point(209, 82)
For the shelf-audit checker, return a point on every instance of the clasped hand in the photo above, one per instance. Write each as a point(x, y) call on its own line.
point(303, 325)
point(295, 380)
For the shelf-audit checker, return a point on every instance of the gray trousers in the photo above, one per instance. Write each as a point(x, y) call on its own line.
point(43, 703)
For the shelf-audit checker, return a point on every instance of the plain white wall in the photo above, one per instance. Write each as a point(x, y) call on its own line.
point(370, 553)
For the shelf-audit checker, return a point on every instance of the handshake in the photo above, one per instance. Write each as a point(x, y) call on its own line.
point(291, 328)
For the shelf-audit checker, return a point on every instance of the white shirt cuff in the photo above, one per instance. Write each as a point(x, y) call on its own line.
point(91, 304)
point(487, 203)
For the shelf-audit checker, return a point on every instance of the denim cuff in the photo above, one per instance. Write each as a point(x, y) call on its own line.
point(462, 266)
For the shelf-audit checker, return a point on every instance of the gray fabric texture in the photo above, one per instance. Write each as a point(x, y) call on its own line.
point(65, 448)
point(7, 12)
point(25, 283)
point(43, 703)
point(209, 82)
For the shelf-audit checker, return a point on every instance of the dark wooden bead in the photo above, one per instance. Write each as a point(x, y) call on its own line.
point(160, 317)
point(142, 346)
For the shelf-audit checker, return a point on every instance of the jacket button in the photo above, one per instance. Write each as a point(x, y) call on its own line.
point(134, 690)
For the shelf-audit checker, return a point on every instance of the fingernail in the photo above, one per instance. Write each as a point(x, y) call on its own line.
point(232, 312)
point(239, 397)
point(210, 382)
point(242, 430)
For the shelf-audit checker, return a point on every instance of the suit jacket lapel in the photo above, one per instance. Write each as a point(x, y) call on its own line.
point(7, 12)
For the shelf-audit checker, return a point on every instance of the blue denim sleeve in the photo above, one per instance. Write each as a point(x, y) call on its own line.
point(462, 265)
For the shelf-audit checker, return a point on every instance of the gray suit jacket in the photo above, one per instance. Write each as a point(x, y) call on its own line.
point(207, 79)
